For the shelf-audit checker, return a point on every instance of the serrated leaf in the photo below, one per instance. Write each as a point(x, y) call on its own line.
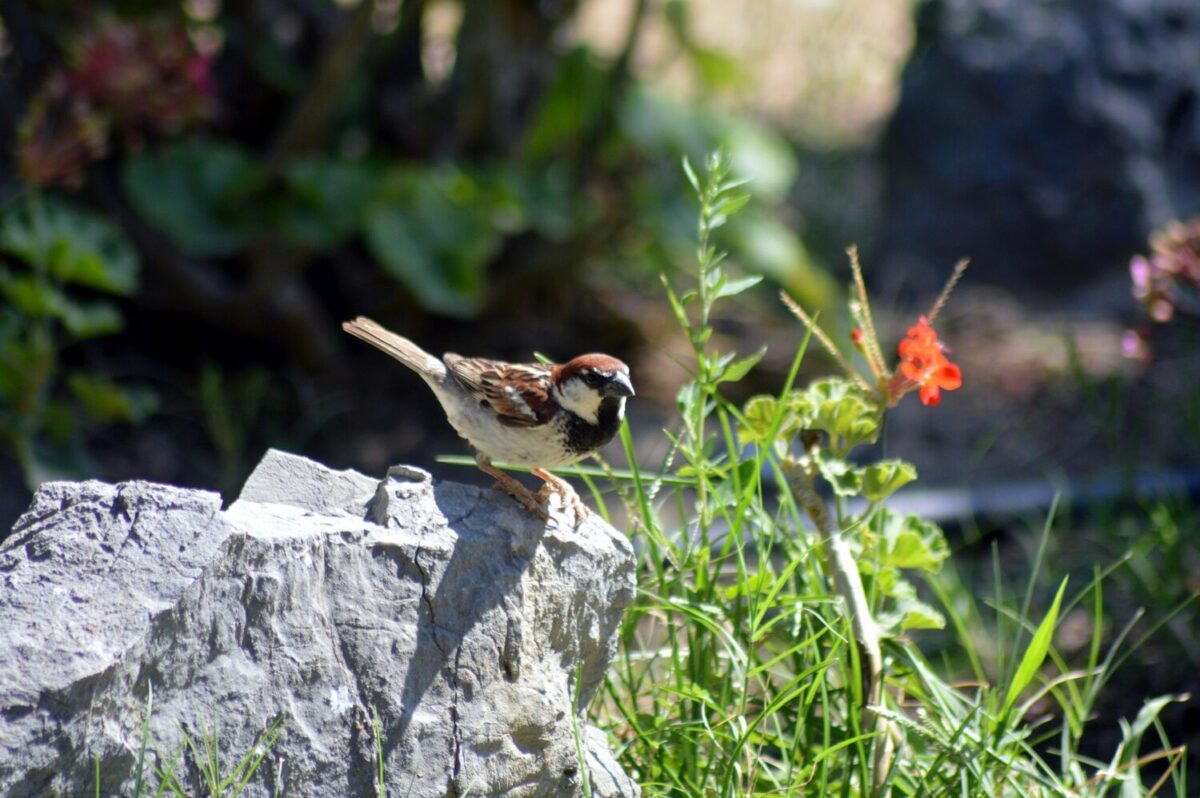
point(916, 614)
point(735, 287)
point(758, 414)
point(1035, 653)
point(738, 369)
point(908, 541)
point(907, 610)
point(841, 476)
point(882, 479)
point(844, 410)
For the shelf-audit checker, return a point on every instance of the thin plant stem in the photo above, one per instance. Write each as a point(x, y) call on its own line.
point(870, 337)
point(947, 290)
point(824, 339)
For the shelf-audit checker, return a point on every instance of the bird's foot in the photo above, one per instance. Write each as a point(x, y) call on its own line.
point(524, 496)
point(556, 486)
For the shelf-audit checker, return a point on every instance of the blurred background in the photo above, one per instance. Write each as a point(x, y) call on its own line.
point(194, 195)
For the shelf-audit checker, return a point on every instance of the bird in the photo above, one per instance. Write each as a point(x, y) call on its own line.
point(532, 415)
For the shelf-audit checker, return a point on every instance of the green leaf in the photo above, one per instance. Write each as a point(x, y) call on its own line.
point(738, 369)
point(765, 245)
point(36, 299)
point(1035, 654)
point(569, 107)
point(758, 414)
point(90, 319)
point(735, 287)
point(198, 193)
point(882, 479)
point(435, 239)
point(70, 244)
point(907, 611)
point(754, 584)
point(732, 480)
point(916, 614)
point(691, 175)
point(328, 200)
point(908, 541)
point(731, 205)
point(715, 69)
point(841, 476)
point(763, 155)
point(105, 401)
point(687, 397)
point(844, 410)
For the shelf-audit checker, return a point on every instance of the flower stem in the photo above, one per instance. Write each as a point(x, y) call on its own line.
point(847, 582)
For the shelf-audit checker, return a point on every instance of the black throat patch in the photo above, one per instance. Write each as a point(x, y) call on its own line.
point(583, 437)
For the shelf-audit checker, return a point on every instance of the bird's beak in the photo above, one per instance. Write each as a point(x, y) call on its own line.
point(619, 385)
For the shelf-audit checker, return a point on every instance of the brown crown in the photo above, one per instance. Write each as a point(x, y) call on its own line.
point(578, 365)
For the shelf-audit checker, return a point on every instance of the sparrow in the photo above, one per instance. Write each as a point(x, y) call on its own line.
point(537, 416)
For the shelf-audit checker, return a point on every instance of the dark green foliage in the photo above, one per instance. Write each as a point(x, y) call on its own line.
point(59, 263)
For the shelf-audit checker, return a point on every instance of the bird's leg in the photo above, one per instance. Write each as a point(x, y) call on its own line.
point(563, 489)
point(512, 487)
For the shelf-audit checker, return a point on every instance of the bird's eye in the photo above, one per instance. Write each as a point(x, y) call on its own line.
point(592, 378)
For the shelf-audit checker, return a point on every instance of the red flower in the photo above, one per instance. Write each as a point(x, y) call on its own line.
point(923, 364)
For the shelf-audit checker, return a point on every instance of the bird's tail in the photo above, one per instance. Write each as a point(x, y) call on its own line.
point(399, 347)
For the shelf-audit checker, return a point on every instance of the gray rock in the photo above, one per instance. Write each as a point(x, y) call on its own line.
point(1044, 139)
point(476, 634)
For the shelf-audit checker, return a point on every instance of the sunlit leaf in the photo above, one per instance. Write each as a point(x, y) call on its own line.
point(759, 413)
point(841, 476)
point(734, 287)
point(907, 541)
point(1035, 653)
point(738, 369)
point(882, 479)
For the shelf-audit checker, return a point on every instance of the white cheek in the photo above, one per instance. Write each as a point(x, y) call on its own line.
point(580, 400)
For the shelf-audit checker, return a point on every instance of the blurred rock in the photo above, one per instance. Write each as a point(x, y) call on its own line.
point(319, 598)
point(1042, 138)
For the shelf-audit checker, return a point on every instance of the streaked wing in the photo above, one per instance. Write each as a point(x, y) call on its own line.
point(519, 393)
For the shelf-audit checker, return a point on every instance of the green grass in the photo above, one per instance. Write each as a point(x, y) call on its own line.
point(741, 670)
point(214, 776)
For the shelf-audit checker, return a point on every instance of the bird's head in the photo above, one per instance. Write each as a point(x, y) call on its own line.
point(583, 385)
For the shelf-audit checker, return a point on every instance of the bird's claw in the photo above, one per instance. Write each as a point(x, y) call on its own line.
point(570, 499)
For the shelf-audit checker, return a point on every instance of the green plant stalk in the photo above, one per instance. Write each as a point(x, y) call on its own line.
point(848, 583)
point(580, 757)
